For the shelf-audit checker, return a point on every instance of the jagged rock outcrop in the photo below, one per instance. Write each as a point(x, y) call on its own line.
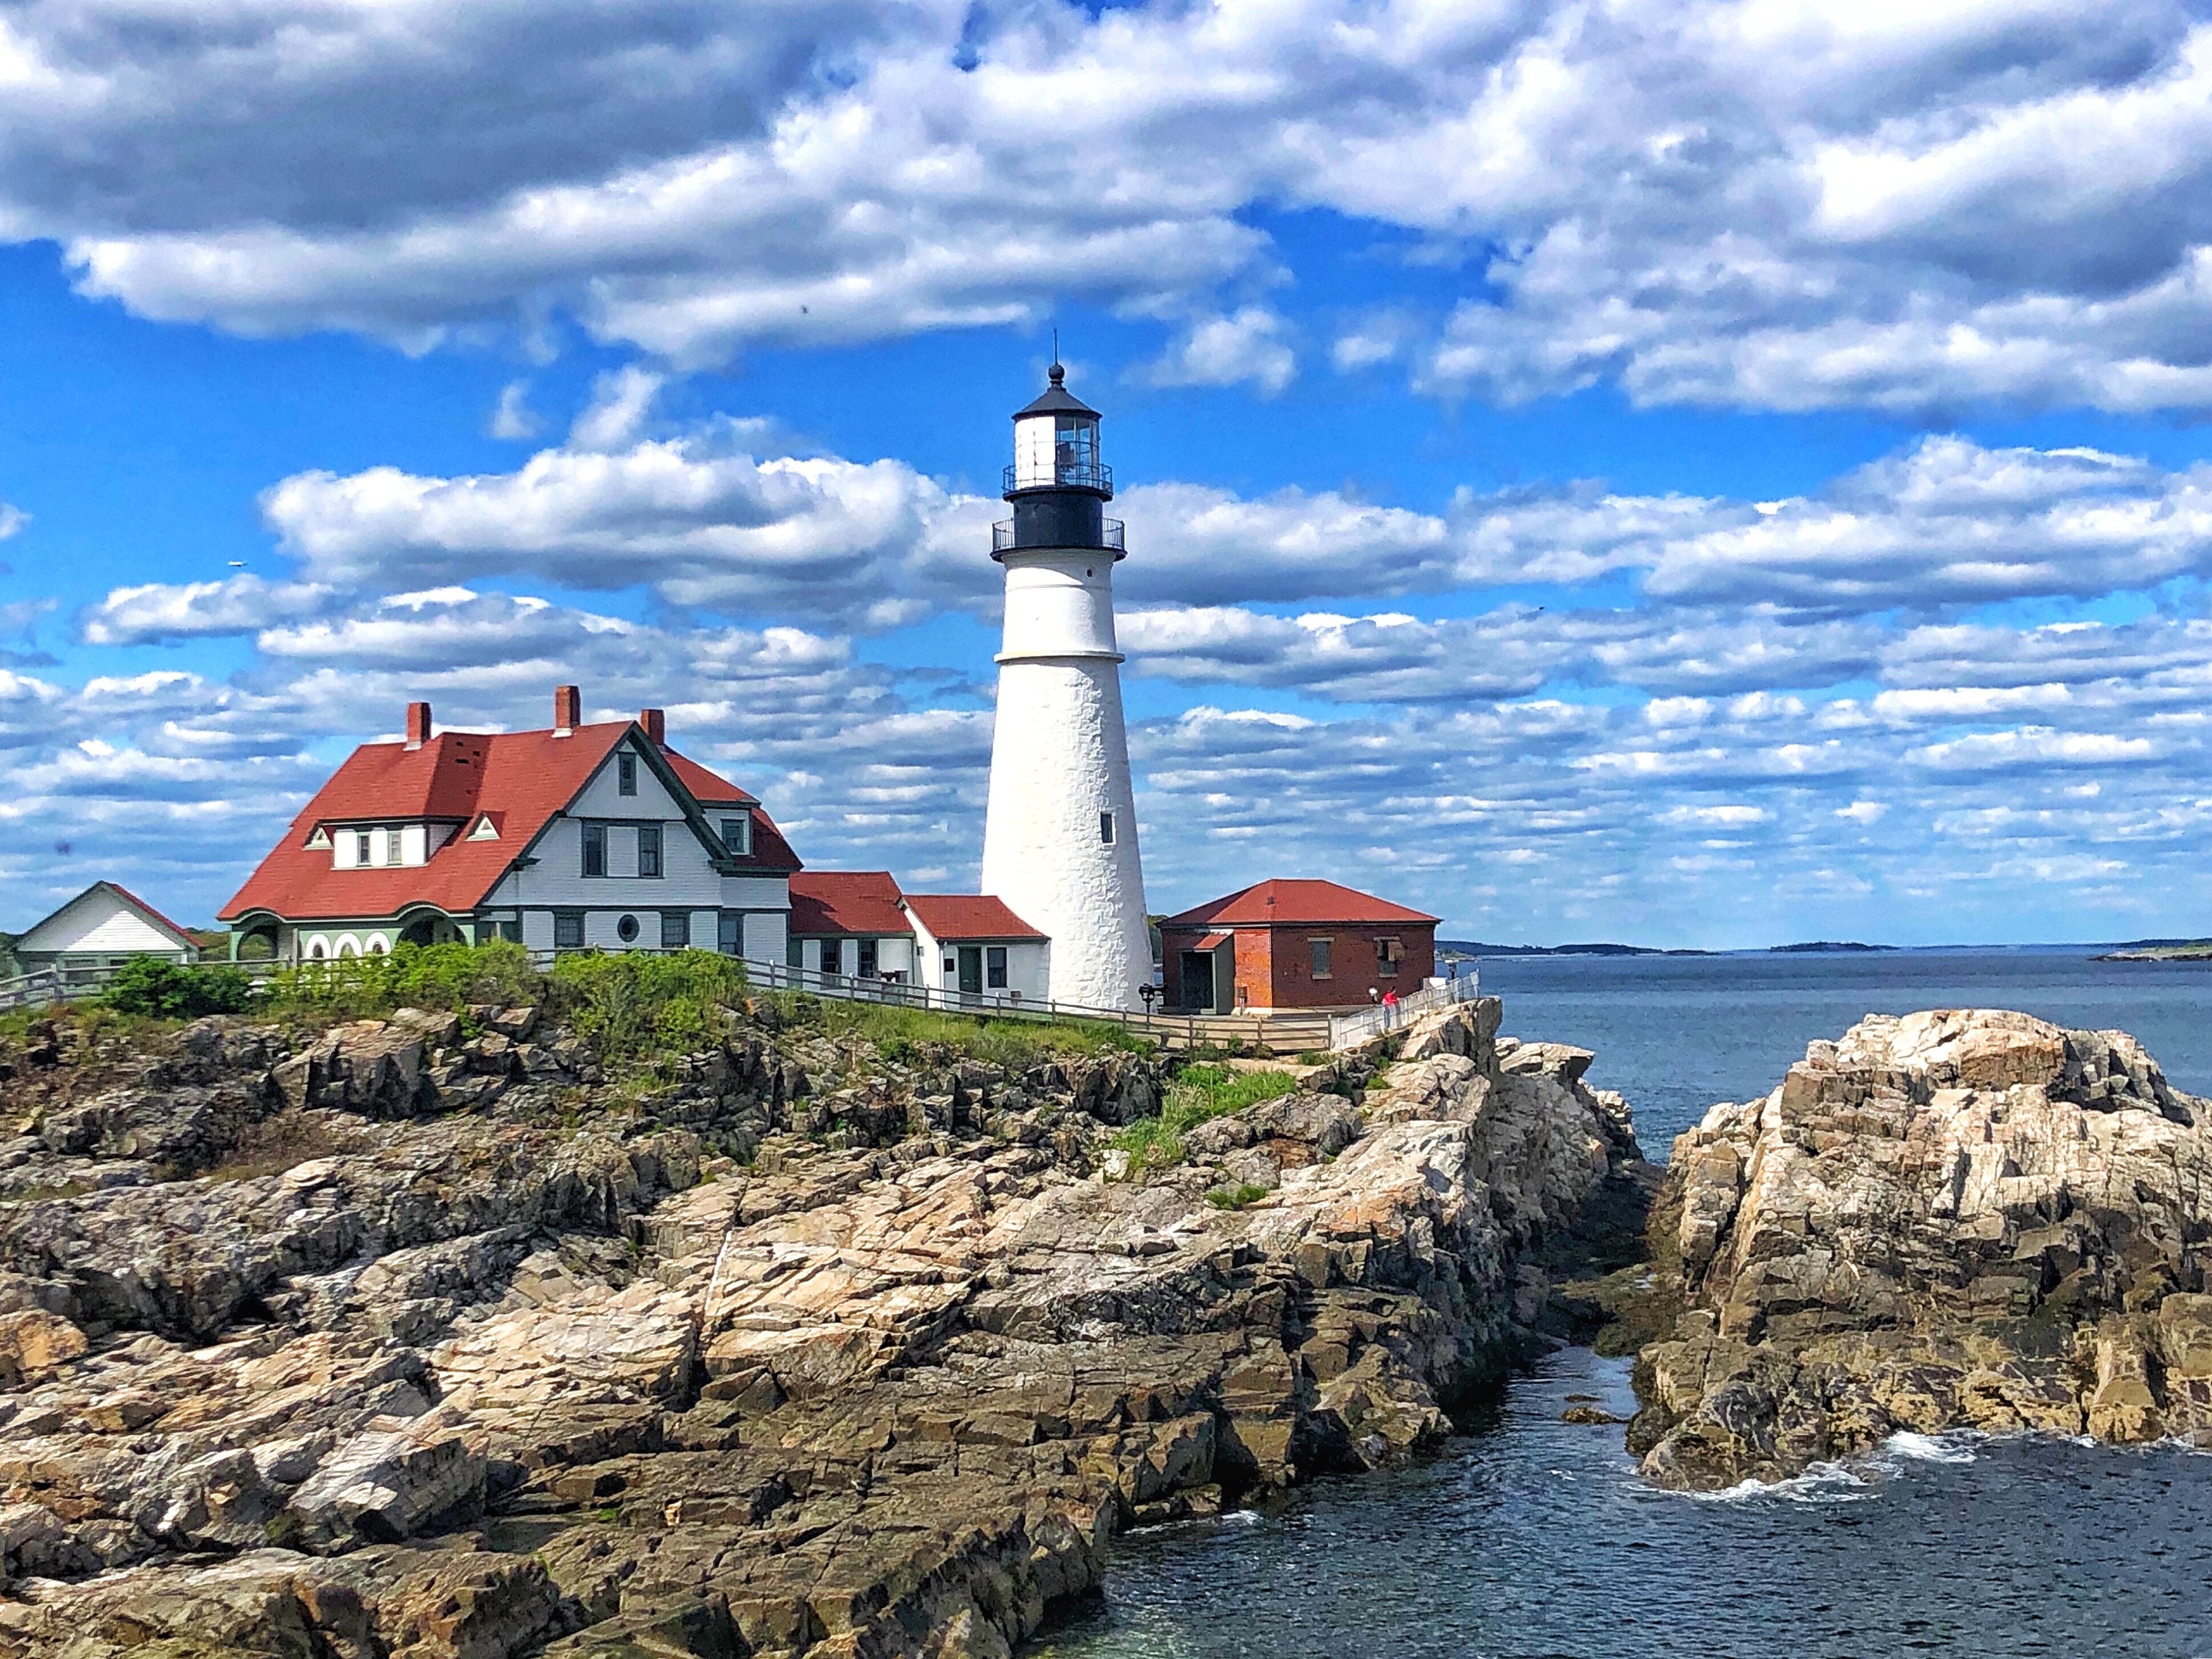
point(542, 1370)
point(1949, 1220)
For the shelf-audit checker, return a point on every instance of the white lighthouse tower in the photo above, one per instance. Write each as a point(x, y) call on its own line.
point(1059, 842)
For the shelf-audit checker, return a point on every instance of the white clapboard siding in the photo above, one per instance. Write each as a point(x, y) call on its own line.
point(100, 922)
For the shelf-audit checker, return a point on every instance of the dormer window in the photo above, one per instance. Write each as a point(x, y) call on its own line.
point(738, 835)
point(626, 774)
point(362, 841)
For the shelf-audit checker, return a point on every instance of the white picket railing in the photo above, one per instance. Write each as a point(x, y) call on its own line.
point(1184, 1031)
point(1284, 1032)
point(1349, 1030)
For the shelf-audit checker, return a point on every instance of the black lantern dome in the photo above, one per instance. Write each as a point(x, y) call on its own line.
point(1058, 484)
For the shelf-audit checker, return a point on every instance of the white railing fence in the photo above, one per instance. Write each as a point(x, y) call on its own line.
point(1170, 1030)
point(1348, 1030)
point(1283, 1032)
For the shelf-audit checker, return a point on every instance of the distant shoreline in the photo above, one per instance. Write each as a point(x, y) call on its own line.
point(2142, 950)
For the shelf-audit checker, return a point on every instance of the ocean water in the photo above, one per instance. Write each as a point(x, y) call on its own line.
point(1533, 1539)
point(1676, 1034)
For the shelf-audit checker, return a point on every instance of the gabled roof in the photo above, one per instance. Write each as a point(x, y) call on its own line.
point(152, 917)
point(706, 788)
point(865, 901)
point(523, 778)
point(968, 917)
point(1297, 905)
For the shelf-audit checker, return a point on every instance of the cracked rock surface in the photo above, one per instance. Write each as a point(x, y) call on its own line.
point(1950, 1220)
point(383, 1342)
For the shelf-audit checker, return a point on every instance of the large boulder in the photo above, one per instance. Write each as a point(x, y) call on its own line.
point(1950, 1219)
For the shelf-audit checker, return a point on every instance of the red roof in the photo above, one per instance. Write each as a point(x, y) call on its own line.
point(1295, 904)
point(968, 916)
point(706, 787)
point(846, 902)
point(521, 779)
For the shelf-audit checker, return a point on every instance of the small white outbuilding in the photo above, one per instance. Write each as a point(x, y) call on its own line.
point(103, 926)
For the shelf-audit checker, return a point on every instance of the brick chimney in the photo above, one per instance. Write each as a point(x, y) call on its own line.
point(418, 724)
point(568, 709)
point(656, 725)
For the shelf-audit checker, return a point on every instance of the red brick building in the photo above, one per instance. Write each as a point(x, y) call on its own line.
point(1293, 944)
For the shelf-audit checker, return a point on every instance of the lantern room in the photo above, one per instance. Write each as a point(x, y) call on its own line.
point(1056, 444)
point(1057, 483)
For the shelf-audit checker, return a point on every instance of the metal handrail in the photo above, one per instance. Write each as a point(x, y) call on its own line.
point(1092, 475)
point(1347, 1031)
point(1110, 534)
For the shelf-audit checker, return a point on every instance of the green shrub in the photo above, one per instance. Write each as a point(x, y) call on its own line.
point(635, 1005)
point(412, 976)
point(167, 990)
point(1196, 1094)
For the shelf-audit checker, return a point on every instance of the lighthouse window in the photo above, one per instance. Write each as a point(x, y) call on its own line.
point(1075, 450)
point(1106, 829)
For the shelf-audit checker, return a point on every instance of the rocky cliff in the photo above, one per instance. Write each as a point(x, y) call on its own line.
point(1946, 1220)
point(421, 1337)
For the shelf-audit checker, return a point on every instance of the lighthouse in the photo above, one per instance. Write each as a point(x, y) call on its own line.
point(1060, 836)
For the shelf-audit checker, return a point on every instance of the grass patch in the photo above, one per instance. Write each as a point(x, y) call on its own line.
point(1197, 1094)
point(906, 1034)
point(630, 1006)
point(40, 1195)
point(1237, 1197)
point(450, 976)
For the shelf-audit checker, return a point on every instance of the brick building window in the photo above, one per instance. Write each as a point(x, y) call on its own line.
point(1319, 947)
point(1388, 953)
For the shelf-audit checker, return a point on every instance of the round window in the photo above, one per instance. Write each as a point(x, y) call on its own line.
point(626, 929)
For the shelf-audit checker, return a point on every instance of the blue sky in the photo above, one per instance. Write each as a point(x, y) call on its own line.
point(1697, 473)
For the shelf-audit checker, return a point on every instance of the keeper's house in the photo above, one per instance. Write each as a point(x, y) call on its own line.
point(571, 837)
point(1293, 944)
